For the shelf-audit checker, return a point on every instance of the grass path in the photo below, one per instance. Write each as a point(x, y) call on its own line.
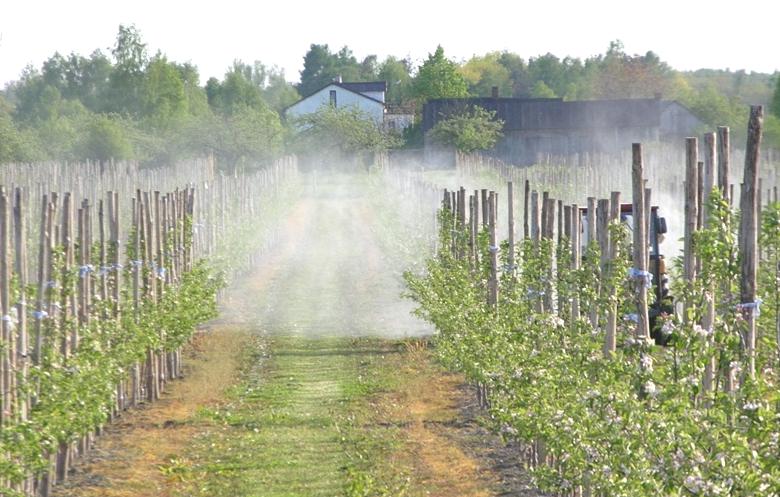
point(300, 424)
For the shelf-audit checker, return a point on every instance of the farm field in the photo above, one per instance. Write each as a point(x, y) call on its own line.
point(315, 380)
point(302, 250)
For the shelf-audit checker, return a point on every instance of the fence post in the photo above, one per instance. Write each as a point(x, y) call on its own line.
point(691, 213)
point(708, 320)
point(748, 236)
point(510, 256)
point(640, 243)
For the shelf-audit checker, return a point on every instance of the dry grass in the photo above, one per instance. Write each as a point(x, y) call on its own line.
point(132, 455)
point(425, 403)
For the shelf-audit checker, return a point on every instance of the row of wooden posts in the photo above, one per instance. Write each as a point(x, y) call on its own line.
point(89, 262)
point(539, 222)
point(541, 213)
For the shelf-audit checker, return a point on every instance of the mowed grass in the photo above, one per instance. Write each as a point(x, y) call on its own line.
point(300, 424)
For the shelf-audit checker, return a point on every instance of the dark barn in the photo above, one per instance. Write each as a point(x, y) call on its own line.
point(535, 128)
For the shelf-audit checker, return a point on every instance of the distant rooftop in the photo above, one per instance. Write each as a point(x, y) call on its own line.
point(367, 86)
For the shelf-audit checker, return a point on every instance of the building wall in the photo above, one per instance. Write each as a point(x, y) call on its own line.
point(398, 122)
point(535, 128)
point(522, 147)
point(376, 95)
point(344, 98)
point(677, 120)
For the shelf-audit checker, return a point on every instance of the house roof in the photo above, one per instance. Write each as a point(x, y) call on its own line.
point(538, 114)
point(350, 87)
point(360, 87)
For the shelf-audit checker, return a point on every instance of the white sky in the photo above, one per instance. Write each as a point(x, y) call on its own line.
point(688, 34)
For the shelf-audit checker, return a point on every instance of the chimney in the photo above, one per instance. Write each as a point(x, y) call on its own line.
point(338, 79)
point(657, 95)
point(494, 92)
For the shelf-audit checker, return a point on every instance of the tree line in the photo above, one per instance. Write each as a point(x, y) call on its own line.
point(130, 104)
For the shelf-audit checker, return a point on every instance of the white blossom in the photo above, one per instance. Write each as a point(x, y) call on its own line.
point(694, 483)
point(701, 332)
point(650, 388)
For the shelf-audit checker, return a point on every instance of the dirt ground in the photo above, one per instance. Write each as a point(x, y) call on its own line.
point(327, 277)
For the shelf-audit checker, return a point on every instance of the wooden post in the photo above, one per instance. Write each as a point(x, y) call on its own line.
point(748, 235)
point(526, 198)
point(640, 243)
point(591, 220)
point(510, 256)
point(43, 263)
point(22, 345)
point(708, 320)
point(724, 154)
point(535, 219)
point(548, 233)
point(610, 343)
point(8, 342)
point(691, 213)
point(475, 229)
point(493, 248)
point(485, 208)
point(576, 257)
point(136, 266)
point(602, 237)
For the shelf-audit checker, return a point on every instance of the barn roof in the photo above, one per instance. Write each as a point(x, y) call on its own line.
point(553, 113)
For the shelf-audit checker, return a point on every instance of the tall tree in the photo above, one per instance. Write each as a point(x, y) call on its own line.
point(321, 66)
point(438, 77)
point(397, 73)
point(484, 72)
point(163, 98)
point(518, 73)
point(277, 91)
point(127, 77)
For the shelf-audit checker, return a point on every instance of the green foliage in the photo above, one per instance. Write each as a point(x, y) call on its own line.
point(248, 135)
point(75, 393)
point(472, 130)
point(772, 131)
point(397, 74)
point(482, 73)
point(105, 138)
point(636, 422)
point(541, 90)
point(774, 106)
point(439, 77)
point(126, 78)
point(237, 90)
point(321, 66)
point(163, 97)
point(343, 131)
point(15, 145)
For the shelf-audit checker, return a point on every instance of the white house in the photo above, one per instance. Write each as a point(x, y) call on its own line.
point(368, 97)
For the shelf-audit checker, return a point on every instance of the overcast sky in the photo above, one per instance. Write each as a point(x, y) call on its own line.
point(688, 34)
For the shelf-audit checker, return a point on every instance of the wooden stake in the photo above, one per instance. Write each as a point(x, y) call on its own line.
point(691, 213)
point(724, 153)
point(748, 235)
point(510, 256)
point(640, 243)
point(526, 198)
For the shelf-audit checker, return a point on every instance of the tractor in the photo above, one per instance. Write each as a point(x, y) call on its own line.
point(663, 303)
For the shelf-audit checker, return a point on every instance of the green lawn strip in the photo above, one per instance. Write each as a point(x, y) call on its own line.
point(301, 423)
